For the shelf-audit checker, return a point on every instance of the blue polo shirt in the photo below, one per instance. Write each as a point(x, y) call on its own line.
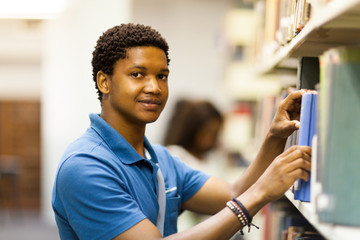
point(103, 186)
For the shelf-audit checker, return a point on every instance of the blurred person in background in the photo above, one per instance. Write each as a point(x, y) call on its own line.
point(193, 131)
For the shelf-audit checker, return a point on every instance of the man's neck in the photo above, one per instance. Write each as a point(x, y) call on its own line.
point(134, 134)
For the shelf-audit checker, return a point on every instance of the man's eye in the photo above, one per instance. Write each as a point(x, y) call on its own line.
point(136, 75)
point(163, 76)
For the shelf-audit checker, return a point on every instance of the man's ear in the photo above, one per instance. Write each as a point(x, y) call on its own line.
point(103, 82)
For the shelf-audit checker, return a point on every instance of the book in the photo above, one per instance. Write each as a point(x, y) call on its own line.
point(292, 18)
point(339, 134)
point(307, 78)
point(282, 32)
point(308, 73)
point(307, 131)
point(281, 215)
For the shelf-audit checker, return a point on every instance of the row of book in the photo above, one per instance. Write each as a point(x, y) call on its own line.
point(284, 19)
point(284, 222)
point(329, 123)
point(294, 15)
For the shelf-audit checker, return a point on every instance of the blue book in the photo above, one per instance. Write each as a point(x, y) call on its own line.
point(307, 130)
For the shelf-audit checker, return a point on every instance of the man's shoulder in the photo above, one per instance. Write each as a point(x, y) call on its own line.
point(88, 146)
point(88, 142)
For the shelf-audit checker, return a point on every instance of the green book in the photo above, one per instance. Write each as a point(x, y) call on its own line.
point(339, 135)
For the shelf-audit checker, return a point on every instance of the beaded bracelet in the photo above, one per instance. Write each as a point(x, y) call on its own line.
point(239, 214)
point(242, 214)
point(243, 209)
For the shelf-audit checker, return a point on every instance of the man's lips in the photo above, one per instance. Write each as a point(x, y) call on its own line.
point(151, 103)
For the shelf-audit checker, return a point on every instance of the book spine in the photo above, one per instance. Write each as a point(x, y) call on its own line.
point(307, 130)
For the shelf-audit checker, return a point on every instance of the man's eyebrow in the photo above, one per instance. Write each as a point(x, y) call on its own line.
point(139, 67)
point(165, 70)
point(145, 69)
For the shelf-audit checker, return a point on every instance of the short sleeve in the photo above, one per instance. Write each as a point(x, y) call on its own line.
point(192, 179)
point(188, 180)
point(93, 199)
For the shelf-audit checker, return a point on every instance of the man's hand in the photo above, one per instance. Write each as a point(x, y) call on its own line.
point(289, 166)
point(287, 116)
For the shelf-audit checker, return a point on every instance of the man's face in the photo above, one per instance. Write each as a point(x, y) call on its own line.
point(139, 85)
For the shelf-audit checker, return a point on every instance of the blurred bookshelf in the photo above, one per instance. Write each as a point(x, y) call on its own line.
point(328, 230)
point(334, 24)
point(330, 24)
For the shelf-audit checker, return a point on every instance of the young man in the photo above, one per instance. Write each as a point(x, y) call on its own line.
point(108, 184)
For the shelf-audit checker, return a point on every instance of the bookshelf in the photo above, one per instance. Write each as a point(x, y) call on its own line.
point(329, 231)
point(334, 24)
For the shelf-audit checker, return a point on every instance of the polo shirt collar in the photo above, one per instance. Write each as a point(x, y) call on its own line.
point(117, 143)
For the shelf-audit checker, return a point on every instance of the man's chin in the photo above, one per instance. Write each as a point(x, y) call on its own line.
point(151, 120)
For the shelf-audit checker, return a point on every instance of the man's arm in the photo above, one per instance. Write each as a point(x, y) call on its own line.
point(223, 225)
point(282, 173)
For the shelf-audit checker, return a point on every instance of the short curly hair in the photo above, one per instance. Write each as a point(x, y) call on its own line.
point(113, 44)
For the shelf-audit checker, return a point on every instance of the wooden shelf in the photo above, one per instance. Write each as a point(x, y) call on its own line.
point(335, 24)
point(328, 230)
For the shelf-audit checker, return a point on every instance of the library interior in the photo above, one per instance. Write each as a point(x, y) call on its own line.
point(240, 58)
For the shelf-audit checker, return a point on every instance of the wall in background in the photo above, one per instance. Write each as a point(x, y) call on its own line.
point(68, 92)
point(20, 59)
